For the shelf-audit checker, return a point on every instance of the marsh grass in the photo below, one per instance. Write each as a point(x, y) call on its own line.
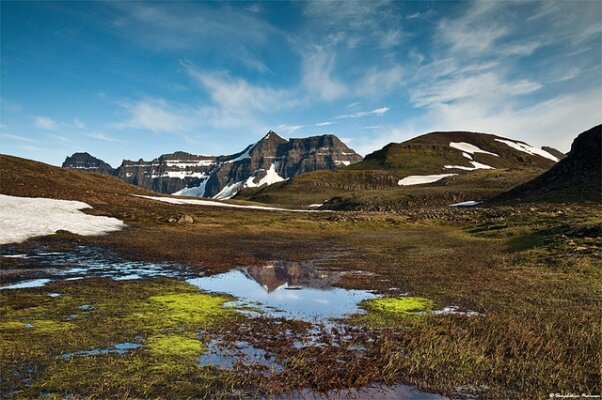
point(532, 271)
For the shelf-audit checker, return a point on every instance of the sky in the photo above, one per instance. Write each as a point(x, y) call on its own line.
point(130, 80)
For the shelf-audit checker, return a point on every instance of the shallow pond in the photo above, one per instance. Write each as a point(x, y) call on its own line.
point(279, 295)
point(280, 289)
point(293, 290)
point(79, 263)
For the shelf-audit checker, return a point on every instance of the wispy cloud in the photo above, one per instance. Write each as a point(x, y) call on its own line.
point(290, 128)
point(487, 85)
point(15, 137)
point(318, 76)
point(379, 112)
point(156, 115)
point(379, 82)
point(236, 94)
point(79, 124)
point(103, 137)
point(45, 123)
point(325, 123)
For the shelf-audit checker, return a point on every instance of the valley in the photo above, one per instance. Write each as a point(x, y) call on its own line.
point(499, 300)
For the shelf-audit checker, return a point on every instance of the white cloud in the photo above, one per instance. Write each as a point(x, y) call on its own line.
point(102, 136)
point(15, 137)
point(156, 115)
point(236, 94)
point(79, 124)
point(571, 73)
point(318, 77)
point(290, 128)
point(379, 112)
point(378, 82)
point(45, 123)
point(486, 85)
point(391, 38)
point(555, 122)
point(325, 123)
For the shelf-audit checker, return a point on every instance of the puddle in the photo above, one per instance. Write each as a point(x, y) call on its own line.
point(393, 392)
point(291, 290)
point(455, 310)
point(280, 289)
point(228, 355)
point(83, 262)
point(119, 348)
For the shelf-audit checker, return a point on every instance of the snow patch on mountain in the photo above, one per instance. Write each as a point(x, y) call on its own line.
point(270, 177)
point(475, 166)
point(183, 174)
point(228, 191)
point(246, 154)
point(197, 191)
point(421, 179)
point(525, 148)
point(22, 218)
point(469, 148)
point(199, 202)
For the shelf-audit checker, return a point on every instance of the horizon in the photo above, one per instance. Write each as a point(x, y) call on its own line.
point(137, 80)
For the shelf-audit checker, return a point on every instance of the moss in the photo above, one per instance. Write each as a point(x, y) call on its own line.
point(174, 345)
point(37, 326)
point(12, 325)
point(184, 310)
point(51, 327)
point(402, 305)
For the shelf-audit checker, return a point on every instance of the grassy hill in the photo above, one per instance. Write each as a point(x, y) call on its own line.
point(373, 183)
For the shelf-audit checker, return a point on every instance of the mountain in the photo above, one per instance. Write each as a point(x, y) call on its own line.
point(169, 172)
point(576, 178)
point(556, 153)
point(85, 162)
point(455, 152)
point(437, 168)
point(279, 274)
point(272, 159)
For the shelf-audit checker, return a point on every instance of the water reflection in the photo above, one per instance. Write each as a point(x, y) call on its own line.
point(291, 290)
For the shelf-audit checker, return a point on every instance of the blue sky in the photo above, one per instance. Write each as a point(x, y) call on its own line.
point(135, 79)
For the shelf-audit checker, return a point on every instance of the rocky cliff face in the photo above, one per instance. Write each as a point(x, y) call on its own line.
point(274, 159)
point(85, 162)
point(270, 160)
point(168, 173)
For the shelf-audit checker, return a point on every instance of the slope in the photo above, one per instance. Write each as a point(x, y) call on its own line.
point(577, 178)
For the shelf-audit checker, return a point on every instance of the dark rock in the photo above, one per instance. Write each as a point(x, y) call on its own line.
point(576, 178)
point(88, 163)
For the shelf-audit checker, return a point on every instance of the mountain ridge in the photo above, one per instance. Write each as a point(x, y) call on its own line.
point(271, 159)
point(437, 168)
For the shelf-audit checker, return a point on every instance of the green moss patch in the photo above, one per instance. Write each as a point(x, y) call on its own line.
point(191, 307)
point(388, 310)
point(174, 345)
point(402, 305)
point(164, 314)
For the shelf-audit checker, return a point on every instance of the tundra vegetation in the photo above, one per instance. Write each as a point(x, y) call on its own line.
point(531, 272)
